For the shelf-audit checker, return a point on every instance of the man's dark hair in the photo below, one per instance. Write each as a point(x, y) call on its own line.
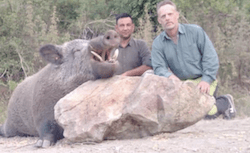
point(123, 15)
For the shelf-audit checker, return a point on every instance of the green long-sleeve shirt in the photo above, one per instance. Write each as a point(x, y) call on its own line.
point(192, 57)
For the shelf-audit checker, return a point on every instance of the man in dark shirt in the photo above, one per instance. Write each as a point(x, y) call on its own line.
point(134, 55)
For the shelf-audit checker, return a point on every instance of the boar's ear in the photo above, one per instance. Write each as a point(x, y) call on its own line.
point(51, 54)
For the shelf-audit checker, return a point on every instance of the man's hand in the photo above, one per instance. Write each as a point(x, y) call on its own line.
point(174, 77)
point(125, 74)
point(138, 71)
point(204, 87)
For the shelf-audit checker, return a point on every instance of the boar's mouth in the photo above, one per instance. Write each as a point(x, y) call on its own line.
point(108, 58)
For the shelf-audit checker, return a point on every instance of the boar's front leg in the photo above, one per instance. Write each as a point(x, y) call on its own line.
point(49, 133)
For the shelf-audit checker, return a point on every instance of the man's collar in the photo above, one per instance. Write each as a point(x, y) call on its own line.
point(129, 43)
point(181, 30)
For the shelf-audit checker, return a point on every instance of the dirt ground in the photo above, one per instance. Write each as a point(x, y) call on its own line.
point(215, 136)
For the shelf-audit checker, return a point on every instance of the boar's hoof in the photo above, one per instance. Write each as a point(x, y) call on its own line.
point(43, 143)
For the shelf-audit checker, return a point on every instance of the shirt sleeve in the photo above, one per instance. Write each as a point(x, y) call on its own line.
point(159, 61)
point(145, 54)
point(210, 61)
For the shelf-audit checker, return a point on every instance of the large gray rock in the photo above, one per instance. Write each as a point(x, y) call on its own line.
point(130, 107)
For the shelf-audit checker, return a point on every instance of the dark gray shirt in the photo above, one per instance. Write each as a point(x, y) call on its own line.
point(192, 57)
point(135, 54)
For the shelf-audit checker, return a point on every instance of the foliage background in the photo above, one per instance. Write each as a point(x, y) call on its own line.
point(25, 25)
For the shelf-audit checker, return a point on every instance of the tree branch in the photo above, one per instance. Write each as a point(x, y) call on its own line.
point(3, 73)
point(20, 57)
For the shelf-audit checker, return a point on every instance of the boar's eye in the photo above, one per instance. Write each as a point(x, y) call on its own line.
point(76, 50)
point(108, 37)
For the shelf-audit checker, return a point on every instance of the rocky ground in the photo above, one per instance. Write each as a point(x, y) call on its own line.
point(216, 136)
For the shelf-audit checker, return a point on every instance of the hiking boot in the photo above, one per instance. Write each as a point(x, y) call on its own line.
point(231, 111)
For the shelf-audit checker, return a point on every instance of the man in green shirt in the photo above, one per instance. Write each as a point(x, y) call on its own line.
point(184, 51)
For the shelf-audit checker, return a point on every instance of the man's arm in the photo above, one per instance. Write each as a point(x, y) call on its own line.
point(137, 71)
point(158, 60)
point(210, 61)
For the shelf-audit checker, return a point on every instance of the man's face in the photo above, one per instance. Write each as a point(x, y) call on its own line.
point(168, 17)
point(125, 27)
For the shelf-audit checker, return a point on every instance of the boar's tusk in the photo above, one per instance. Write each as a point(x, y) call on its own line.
point(96, 55)
point(115, 56)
